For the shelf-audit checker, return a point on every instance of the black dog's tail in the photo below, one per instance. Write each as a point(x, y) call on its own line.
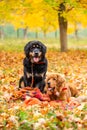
point(21, 82)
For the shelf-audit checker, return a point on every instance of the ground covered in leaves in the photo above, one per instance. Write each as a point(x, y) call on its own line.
point(18, 115)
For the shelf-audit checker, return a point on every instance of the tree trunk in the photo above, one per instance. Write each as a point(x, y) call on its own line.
point(2, 35)
point(25, 32)
point(44, 34)
point(36, 34)
point(18, 33)
point(76, 34)
point(76, 31)
point(62, 28)
point(56, 34)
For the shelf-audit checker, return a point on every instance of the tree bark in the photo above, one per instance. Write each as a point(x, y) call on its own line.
point(36, 34)
point(2, 35)
point(25, 32)
point(76, 34)
point(56, 34)
point(44, 34)
point(62, 28)
point(18, 33)
point(76, 31)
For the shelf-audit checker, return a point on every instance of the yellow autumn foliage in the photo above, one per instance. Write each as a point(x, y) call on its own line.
point(39, 15)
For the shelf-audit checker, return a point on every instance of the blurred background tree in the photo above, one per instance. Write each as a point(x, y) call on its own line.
point(43, 17)
point(68, 10)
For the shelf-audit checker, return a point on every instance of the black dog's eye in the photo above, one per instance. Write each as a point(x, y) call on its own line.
point(39, 47)
point(33, 46)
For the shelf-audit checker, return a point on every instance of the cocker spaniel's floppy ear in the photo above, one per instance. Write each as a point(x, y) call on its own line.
point(60, 78)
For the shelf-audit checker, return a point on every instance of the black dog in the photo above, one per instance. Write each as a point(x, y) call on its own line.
point(35, 65)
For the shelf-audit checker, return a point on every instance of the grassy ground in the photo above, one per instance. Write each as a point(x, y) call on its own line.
point(54, 44)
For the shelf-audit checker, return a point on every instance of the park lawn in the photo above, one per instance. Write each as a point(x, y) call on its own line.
point(16, 115)
point(51, 43)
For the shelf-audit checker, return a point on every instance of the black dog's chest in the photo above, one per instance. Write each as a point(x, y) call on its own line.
point(35, 68)
point(36, 73)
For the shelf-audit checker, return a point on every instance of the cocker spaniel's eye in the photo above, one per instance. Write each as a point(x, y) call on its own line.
point(54, 79)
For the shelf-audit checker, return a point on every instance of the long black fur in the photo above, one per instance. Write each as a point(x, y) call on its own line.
point(38, 69)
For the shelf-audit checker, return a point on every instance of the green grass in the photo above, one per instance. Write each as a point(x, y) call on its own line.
point(80, 43)
point(51, 43)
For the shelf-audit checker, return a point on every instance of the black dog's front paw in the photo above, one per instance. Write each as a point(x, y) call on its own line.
point(41, 86)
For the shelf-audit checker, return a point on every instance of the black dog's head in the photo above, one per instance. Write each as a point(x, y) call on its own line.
point(35, 51)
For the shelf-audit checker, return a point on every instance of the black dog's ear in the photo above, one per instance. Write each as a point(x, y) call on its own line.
point(44, 49)
point(26, 49)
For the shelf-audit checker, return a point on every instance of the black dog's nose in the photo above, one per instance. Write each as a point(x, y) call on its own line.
point(36, 52)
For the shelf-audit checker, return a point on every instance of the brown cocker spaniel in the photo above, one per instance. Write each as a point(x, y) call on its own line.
point(57, 88)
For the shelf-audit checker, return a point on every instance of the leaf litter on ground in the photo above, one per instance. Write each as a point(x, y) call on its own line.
point(43, 115)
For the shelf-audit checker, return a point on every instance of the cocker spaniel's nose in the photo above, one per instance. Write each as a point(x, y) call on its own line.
point(48, 84)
